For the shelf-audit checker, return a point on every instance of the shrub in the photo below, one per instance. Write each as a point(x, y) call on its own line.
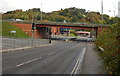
point(109, 40)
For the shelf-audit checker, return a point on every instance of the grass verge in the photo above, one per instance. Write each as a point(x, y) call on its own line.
point(7, 27)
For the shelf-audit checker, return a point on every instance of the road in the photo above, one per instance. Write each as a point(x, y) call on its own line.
point(58, 58)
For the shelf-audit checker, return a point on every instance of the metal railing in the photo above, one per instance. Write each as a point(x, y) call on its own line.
point(13, 43)
point(67, 23)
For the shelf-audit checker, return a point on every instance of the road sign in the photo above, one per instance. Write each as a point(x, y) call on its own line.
point(13, 31)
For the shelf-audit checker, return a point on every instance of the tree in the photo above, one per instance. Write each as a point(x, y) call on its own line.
point(106, 19)
point(7, 16)
point(34, 10)
point(93, 17)
point(114, 20)
point(74, 19)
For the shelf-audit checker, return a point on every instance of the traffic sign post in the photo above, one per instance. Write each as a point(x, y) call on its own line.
point(13, 33)
point(49, 34)
point(33, 28)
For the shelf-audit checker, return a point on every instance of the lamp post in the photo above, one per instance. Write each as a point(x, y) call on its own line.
point(113, 12)
point(102, 8)
point(119, 9)
point(41, 11)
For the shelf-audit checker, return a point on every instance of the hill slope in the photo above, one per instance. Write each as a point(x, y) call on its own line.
point(7, 27)
point(71, 14)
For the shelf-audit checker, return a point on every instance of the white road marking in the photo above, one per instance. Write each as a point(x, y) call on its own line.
point(28, 62)
point(40, 57)
point(32, 60)
point(79, 62)
point(51, 53)
point(75, 67)
point(20, 64)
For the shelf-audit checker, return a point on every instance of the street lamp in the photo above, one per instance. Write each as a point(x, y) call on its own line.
point(102, 8)
point(112, 11)
point(41, 11)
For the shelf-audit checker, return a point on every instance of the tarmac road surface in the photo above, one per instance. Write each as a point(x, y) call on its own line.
point(59, 58)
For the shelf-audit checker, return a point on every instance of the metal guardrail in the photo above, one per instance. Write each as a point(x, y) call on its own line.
point(101, 48)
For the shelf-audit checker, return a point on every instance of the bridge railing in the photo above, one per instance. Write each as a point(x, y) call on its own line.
point(67, 23)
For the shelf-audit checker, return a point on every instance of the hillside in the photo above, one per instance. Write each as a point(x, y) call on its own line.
point(7, 27)
point(69, 15)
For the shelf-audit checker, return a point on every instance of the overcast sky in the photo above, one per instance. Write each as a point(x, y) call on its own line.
point(54, 5)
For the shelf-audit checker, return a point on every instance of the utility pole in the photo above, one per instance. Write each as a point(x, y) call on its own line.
point(113, 12)
point(41, 11)
point(102, 8)
point(119, 9)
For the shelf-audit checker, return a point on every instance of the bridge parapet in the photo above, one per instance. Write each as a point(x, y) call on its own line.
point(72, 24)
point(66, 24)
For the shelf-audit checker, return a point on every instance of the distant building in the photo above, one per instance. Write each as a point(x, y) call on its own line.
point(119, 9)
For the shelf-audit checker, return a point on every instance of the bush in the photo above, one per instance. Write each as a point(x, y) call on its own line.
point(109, 40)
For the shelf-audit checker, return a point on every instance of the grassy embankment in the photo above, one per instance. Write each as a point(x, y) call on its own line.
point(7, 27)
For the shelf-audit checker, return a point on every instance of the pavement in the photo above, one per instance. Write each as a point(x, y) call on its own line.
point(23, 48)
point(92, 63)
